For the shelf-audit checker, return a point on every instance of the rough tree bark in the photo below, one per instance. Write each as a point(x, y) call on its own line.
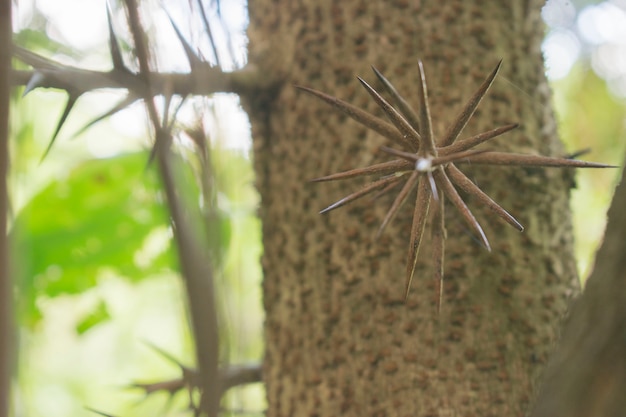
point(340, 339)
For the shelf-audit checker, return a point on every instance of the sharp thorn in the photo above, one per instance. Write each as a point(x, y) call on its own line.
point(468, 110)
point(34, 82)
point(368, 120)
point(397, 203)
point(127, 101)
point(420, 214)
point(114, 47)
point(194, 60)
point(410, 138)
point(404, 107)
point(68, 108)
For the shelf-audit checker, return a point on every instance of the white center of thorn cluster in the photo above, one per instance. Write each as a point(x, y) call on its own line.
point(424, 164)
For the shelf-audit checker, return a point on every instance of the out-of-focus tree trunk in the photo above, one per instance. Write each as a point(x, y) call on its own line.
point(340, 340)
point(6, 289)
point(587, 375)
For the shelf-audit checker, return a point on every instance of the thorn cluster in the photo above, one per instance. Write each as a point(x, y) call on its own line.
point(430, 165)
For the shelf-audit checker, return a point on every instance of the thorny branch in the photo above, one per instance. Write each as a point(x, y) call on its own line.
point(196, 268)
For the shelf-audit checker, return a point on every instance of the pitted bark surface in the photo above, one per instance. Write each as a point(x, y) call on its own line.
point(339, 338)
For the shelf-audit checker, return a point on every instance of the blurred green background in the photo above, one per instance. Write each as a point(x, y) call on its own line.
point(91, 241)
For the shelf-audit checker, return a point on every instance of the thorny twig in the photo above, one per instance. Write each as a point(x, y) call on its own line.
point(196, 268)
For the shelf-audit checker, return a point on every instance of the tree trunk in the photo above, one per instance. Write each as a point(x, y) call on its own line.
point(587, 374)
point(340, 340)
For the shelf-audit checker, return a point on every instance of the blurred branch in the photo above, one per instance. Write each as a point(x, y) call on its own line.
point(231, 376)
point(202, 80)
point(196, 266)
point(586, 376)
point(6, 297)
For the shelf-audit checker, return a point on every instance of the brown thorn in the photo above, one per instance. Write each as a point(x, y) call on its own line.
point(457, 127)
point(517, 159)
point(382, 168)
point(443, 160)
point(409, 134)
point(368, 120)
point(465, 184)
point(404, 107)
point(400, 198)
point(420, 213)
point(476, 140)
point(364, 191)
point(447, 187)
point(409, 156)
point(385, 190)
point(428, 142)
point(439, 235)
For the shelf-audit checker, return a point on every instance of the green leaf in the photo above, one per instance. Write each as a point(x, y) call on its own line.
point(107, 214)
point(99, 315)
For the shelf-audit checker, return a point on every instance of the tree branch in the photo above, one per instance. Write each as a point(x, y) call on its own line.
point(196, 265)
point(202, 80)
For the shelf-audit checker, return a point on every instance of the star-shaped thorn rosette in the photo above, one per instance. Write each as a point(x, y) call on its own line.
point(431, 165)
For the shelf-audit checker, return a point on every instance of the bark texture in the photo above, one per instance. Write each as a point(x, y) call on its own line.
point(340, 339)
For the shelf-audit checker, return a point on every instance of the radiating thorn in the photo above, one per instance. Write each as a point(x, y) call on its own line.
point(363, 191)
point(439, 236)
point(518, 159)
point(476, 140)
point(71, 100)
point(409, 156)
point(192, 57)
point(404, 107)
point(420, 214)
point(382, 168)
point(114, 47)
point(428, 141)
point(465, 184)
point(455, 198)
point(376, 124)
point(459, 124)
point(35, 81)
point(127, 101)
point(410, 136)
point(389, 187)
point(400, 198)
